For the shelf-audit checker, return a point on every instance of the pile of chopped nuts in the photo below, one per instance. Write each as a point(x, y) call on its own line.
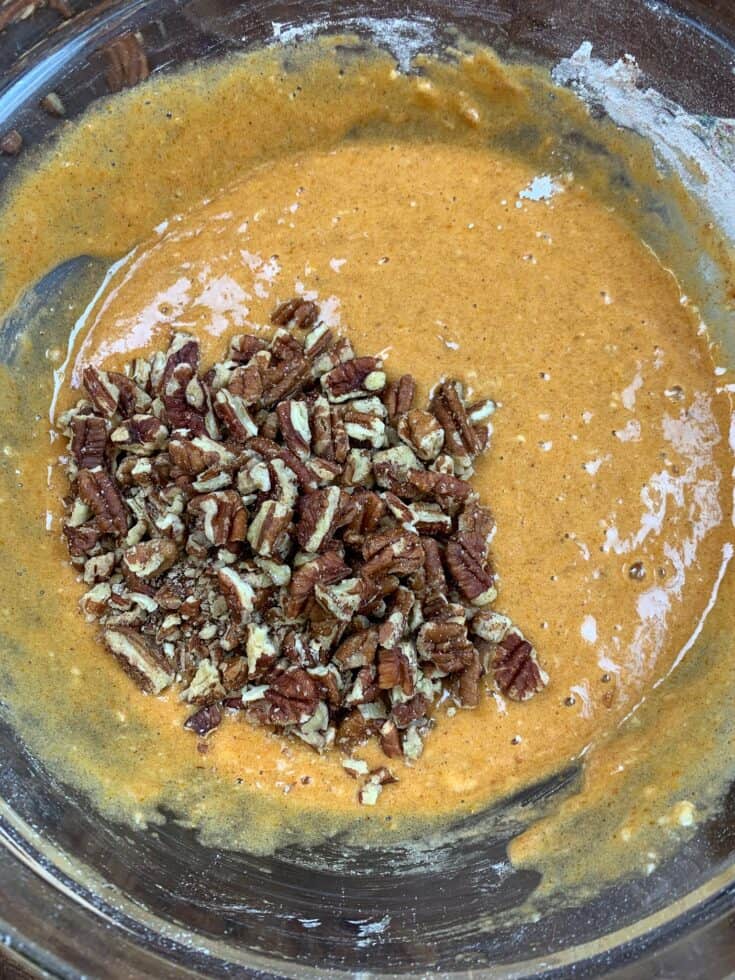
point(287, 537)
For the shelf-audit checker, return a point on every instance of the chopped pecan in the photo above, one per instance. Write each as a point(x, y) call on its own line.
point(81, 540)
point(224, 519)
point(358, 650)
point(205, 720)
point(398, 397)
point(238, 593)
point(271, 521)
point(232, 411)
point(517, 671)
point(392, 630)
point(98, 490)
point(142, 434)
point(102, 392)
point(390, 740)
point(404, 713)
point(89, 441)
point(446, 645)
point(462, 442)
point(394, 670)
point(297, 312)
point(422, 432)
point(394, 552)
point(340, 599)
point(293, 419)
point(149, 559)
point(244, 347)
point(139, 659)
point(473, 575)
point(324, 569)
point(318, 513)
point(490, 625)
point(353, 379)
point(468, 688)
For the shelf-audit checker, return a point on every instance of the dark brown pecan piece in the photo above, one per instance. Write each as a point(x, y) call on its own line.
point(179, 412)
point(140, 434)
point(468, 686)
point(360, 376)
point(102, 392)
point(390, 740)
point(297, 312)
point(406, 712)
point(398, 397)
point(132, 399)
point(517, 671)
point(234, 673)
point(394, 670)
point(100, 493)
point(437, 486)
point(395, 552)
point(356, 728)
point(88, 441)
point(81, 540)
point(472, 573)
point(205, 720)
point(318, 514)
point(139, 659)
point(462, 442)
point(325, 569)
point(295, 684)
point(446, 645)
point(293, 420)
point(436, 582)
point(244, 347)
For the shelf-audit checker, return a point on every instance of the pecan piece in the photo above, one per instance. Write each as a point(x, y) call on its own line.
point(89, 441)
point(102, 392)
point(140, 434)
point(149, 559)
point(81, 540)
point(354, 378)
point(271, 521)
point(394, 670)
point(390, 740)
point(398, 397)
point(139, 659)
point(517, 671)
point(98, 490)
point(462, 442)
point(473, 574)
point(297, 312)
point(244, 347)
point(324, 569)
point(468, 687)
point(232, 411)
point(422, 432)
point(224, 519)
point(238, 593)
point(317, 518)
point(404, 713)
point(205, 720)
point(357, 650)
point(293, 419)
point(446, 645)
point(395, 552)
point(392, 630)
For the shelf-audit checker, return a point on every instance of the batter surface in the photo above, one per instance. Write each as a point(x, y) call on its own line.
point(609, 473)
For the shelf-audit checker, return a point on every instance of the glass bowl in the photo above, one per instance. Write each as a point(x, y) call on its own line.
point(80, 895)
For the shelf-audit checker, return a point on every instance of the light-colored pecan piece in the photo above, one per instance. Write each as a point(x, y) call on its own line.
point(205, 686)
point(293, 419)
point(232, 411)
point(270, 522)
point(224, 519)
point(341, 599)
point(364, 428)
point(149, 559)
point(353, 379)
point(99, 492)
point(490, 625)
point(393, 628)
point(517, 671)
point(422, 432)
point(238, 593)
point(139, 659)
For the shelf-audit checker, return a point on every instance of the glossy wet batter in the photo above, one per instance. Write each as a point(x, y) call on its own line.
point(609, 473)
